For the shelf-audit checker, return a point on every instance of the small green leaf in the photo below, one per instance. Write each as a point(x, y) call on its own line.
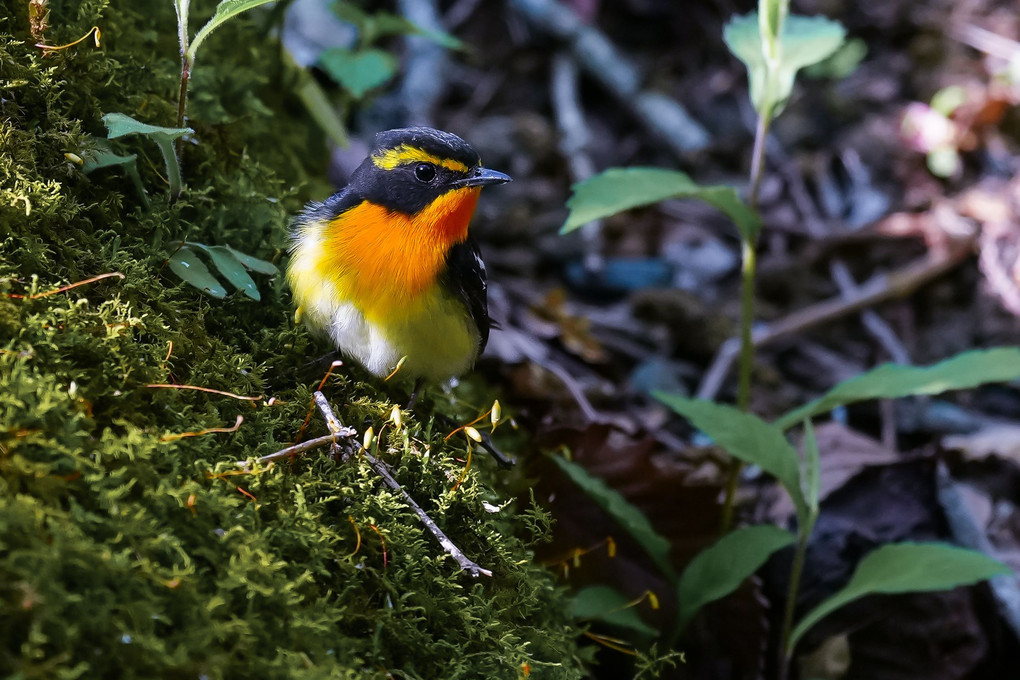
point(352, 14)
point(393, 24)
point(840, 63)
point(102, 157)
point(226, 10)
point(905, 568)
point(629, 517)
point(720, 569)
point(358, 72)
point(187, 265)
point(948, 99)
point(892, 381)
point(748, 438)
point(120, 125)
point(602, 603)
point(619, 189)
point(943, 161)
point(233, 271)
point(772, 16)
point(253, 263)
point(803, 41)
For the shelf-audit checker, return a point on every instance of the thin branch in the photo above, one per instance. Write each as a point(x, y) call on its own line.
point(969, 533)
point(574, 139)
point(876, 290)
point(665, 118)
point(383, 471)
point(294, 450)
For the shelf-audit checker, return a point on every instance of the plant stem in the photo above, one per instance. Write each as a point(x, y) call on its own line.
point(181, 7)
point(791, 597)
point(761, 134)
point(748, 268)
point(182, 102)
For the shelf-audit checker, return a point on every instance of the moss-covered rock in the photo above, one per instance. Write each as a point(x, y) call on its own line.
point(128, 551)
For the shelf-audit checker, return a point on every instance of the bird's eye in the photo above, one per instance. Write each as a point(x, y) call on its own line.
point(424, 172)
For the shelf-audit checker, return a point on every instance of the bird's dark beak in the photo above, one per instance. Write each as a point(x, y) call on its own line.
point(481, 177)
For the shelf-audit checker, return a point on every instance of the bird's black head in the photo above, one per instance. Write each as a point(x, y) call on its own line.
point(409, 168)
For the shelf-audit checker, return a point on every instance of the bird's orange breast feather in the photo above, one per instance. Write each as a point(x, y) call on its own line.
point(382, 260)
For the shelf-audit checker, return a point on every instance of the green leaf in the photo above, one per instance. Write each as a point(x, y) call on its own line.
point(948, 99)
point(187, 265)
point(253, 263)
point(943, 161)
point(358, 72)
point(772, 17)
point(905, 568)
point(891, 381)
point(393, 24)
point(840, 63)
point(802, 42)
point(371, 27)
point(619, 189)
point(602, 603)
point(102, 157)
point(233, 271)
point(224, 11)
point(747, 437)
point(121, 125)
point(181, 7)
point(720, 569)
point(629, 517)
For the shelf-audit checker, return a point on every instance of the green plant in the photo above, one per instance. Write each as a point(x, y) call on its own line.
point(121, 125)
point(366, 67)
point(233, 265)
point(774, 46)
point(133, 545)
point(226, 10)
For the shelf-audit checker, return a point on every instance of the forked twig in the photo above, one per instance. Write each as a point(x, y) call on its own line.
point(338, 430)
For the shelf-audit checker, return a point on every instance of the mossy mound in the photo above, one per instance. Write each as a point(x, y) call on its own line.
point(126, 551)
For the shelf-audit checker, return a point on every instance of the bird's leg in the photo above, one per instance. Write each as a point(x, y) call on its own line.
point(418, 383)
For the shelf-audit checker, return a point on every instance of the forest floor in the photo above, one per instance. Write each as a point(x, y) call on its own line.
point(867, 256)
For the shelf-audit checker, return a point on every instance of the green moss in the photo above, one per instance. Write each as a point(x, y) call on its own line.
point(125, 552)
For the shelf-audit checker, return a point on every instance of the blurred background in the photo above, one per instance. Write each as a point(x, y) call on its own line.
point(891, 210)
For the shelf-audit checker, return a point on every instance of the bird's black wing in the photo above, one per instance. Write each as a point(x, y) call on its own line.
point(464, 276)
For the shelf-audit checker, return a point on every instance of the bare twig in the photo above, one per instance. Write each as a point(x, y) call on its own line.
point(838, 270)
point(383, 471)
point(337, 431)
point(970, 534)
point(986, 41)
point(899, 283)
point(296, 449)
point(459, 13)
point(574, 138)
point(603, 61)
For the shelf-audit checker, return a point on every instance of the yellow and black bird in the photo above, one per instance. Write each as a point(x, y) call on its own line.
point(386, 267)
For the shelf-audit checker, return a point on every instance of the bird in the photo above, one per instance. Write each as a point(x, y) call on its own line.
point(386, 269)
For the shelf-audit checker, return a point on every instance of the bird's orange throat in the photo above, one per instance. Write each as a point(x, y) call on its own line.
point(381, 260)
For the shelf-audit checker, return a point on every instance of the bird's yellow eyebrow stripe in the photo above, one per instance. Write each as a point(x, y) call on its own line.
point(404, 154)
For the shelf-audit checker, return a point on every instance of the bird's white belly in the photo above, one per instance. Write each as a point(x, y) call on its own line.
point(436, 336)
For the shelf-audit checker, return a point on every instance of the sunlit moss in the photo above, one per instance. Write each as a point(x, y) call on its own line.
point(125, 552)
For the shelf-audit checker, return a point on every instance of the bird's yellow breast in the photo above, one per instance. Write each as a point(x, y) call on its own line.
point(371, 279)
